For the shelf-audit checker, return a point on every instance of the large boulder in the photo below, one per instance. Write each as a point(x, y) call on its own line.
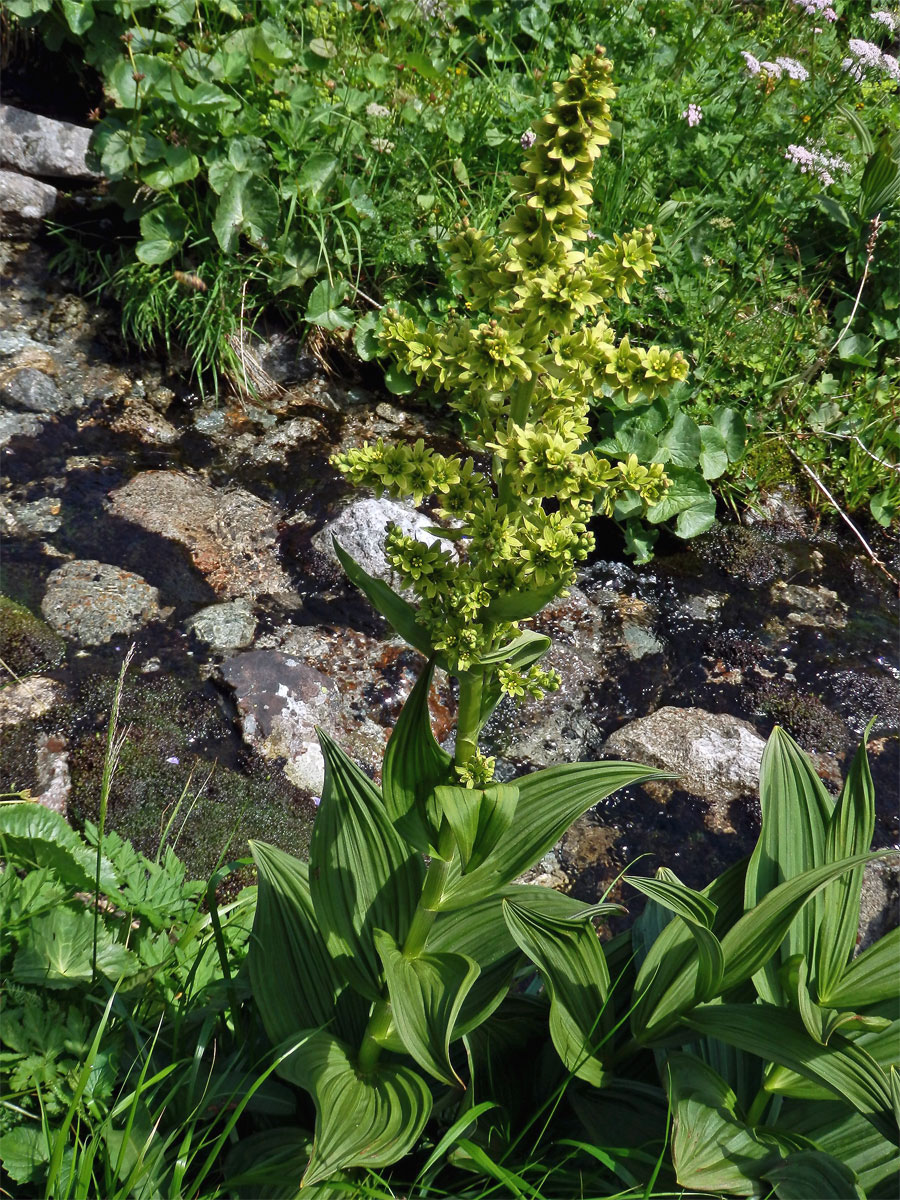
point(91, 601)
point(360, 530)
point(41, 146)
point(24, 203)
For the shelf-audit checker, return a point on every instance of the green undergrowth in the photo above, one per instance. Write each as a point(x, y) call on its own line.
point(312, 158)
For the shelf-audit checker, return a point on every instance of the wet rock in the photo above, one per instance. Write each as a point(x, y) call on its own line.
point(374, 678)
point(26, 643)
point(714, 755)
point(54, 780)
point(360, 529)
point(143, 421)
point(24, 203)
point(880, 900)
point(280, 702)
point(285, 438)
point(30, 518)
point(28, 699)
point(225, 627)
point(13, 425)
point(782, 507)
point(90, 601)
point(819, 607)
point(30, 390)
point(41, 146)
point(230, 535)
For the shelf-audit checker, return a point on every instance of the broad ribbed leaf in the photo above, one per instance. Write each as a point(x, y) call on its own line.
point(517, 605)
point(807, 1173)
point(796, 810)
point(712, 1149)
point(849, 832)
point(397, 611)
point(549, 801)
point(426, 995)
point(777, 1035)
point(479, 817)
point(870, 978)
point(698, 912)
point(361, 1120)
point(848, 1137)
point(295, 983)
point(820, 1023)
point(480, 932)
point(569, 957)
point(362, 876)
point(523, 650)
point(881, 1044)
point(414, 765)
point(746, 946)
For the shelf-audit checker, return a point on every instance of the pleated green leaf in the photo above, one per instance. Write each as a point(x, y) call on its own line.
point(523, 650)
point(747, 946)
point(479, 817)
point(848, 1137)
point(872, 977)
point(480, 932)
point(569, 957)
point(361, 1120)
point(849, 832)
point(698, 912)
point(396, 611)
point(295, 983)
point(549, 801)
point(713, 1150)
point(807, 1173)
point(881, 1044)
point(414, 765)
point(796, 810)
point(362, 875)
point(820, 1023)
point(426, 994)
point(777, 1035)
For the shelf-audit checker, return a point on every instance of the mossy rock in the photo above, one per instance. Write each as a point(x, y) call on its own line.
point(27, 644)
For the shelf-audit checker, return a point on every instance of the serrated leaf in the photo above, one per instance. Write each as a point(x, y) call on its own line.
point(303, 991)
point(325, 306)
point(316, 174)
point(573, 966)
point(549, 801)
point(365, 341)
point(414, 765)
point(180, 167)
point(23, 1152)
point(778, 1036)
point(426, 994)
point(478, 817)
point(248, 206)
point(56, 951)
point(361, 1120)
point(362, 875)
point(681, 442)
point(796, 810)
point(39, 837)
point(688, 490)
point(397, 611)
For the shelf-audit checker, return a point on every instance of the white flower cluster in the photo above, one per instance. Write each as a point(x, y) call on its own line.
point(818, 8)
point(816, 162)
point(377, 110)
point(693, 114)
point(865, 57)
point(890, 20)
point(775, 70)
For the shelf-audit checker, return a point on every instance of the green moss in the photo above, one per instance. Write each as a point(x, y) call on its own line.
point(805, 717)
point(27, 644)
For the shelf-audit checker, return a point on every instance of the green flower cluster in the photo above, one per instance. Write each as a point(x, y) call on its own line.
point(521, 373)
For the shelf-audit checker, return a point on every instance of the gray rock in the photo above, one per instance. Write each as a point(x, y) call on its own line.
point(41, 146)
point(286, 437)
point(879, 906)
point(230, 535)
point(28, 699)
point(281, 701)
point(360, 530)
point(225, 627)
point(52, 768)
point(13, 425)
point(24, 203)
point(819, 606)
point(90, 601)
point(29, 390)
point(31, 517)
point(714, 755)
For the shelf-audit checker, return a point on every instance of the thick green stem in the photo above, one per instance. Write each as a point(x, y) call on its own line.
point(519, 404)
point(468, 720)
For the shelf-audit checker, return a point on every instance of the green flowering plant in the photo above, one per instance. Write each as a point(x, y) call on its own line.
point(521, 365)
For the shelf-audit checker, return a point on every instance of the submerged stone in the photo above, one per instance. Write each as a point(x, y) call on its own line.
point(225, 627)
point(90, 601)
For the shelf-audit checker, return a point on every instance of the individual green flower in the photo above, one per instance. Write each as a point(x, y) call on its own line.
point(478, 771)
